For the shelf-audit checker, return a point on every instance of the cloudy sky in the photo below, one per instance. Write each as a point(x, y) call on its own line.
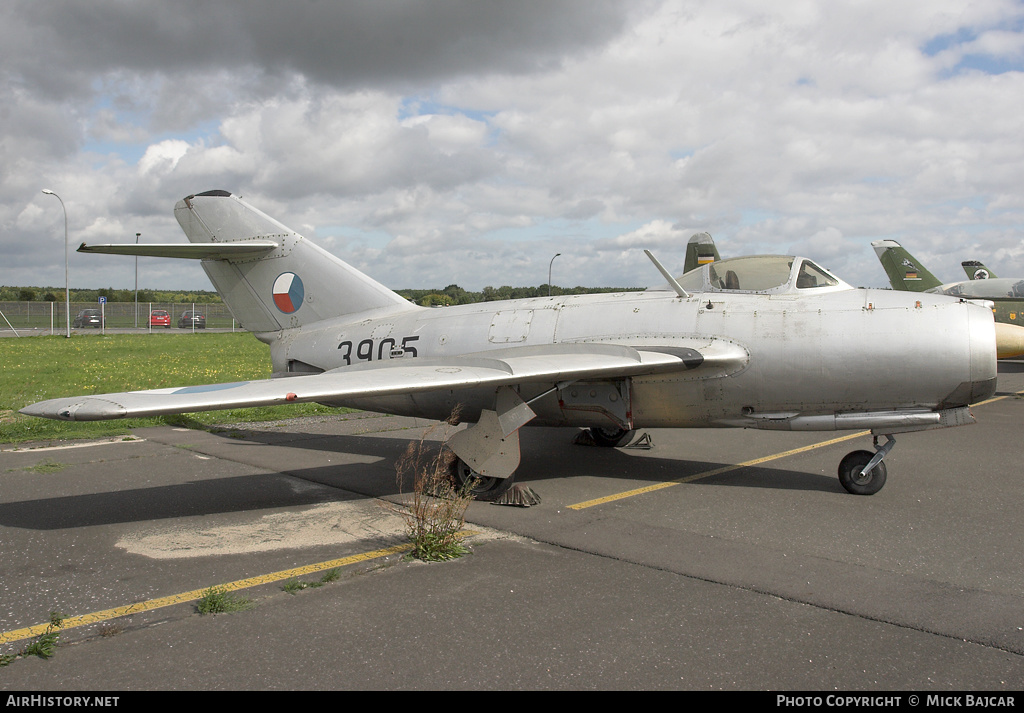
point(459, 141)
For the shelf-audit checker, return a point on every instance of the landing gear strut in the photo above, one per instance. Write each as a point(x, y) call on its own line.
point(863, 472)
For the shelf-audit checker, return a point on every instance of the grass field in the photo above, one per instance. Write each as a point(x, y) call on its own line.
point(37, 368)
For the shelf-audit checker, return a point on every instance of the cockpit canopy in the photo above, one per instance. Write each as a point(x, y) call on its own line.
point(769, 274)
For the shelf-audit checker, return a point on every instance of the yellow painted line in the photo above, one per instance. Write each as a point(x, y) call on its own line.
point(745, 464)
point(714, 471)
point(194, 595)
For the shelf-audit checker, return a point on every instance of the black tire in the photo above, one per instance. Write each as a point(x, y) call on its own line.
point(482, 488)
point(610, 437)
point(855, 483)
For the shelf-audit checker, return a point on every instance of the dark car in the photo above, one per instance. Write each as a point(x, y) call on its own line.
point(88, 318)
point(160, 318)
point(192, 320)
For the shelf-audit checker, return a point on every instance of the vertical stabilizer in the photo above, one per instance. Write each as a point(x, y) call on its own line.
point(904, 272)
point(976, 270)
point(295, 284)
point(700, 250)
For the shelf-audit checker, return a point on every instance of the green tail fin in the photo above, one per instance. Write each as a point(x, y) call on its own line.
point(700, 250)
point(904, 272)
point(976, 270)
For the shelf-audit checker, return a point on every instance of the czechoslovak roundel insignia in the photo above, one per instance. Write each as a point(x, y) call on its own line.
point(288, 292)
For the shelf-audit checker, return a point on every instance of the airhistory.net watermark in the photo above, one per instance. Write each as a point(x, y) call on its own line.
point(40, 701)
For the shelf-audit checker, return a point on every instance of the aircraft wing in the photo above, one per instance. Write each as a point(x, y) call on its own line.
point(552, 364)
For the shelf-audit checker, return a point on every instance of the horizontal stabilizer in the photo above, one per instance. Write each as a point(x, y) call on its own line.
point(550, 364)
point(189, 251)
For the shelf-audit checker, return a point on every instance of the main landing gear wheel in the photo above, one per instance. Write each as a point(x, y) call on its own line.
point(851, 478)
point(611, 437)
point(482, 487)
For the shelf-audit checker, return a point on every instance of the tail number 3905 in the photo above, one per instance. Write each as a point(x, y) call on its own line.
point(370, 349)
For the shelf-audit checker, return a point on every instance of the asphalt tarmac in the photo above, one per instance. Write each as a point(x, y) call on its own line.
point(713, 560)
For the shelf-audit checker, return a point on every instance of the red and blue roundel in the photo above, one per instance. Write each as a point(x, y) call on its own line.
point(288, 292)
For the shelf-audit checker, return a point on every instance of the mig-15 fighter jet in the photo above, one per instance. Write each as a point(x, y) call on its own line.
point(767, 342)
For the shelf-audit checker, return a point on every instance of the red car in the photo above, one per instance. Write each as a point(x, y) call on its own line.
point(159, 318)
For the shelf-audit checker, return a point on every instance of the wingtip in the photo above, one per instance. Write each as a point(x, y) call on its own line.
point(42, 409)
point(89, 409)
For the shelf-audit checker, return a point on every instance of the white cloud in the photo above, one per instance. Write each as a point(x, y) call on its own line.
point(484, 146)
point(163, 157)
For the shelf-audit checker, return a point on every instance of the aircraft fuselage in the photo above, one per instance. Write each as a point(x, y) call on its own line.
point(807, 354)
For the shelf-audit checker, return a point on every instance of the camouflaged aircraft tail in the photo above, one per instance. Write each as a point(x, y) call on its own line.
point(904, 272)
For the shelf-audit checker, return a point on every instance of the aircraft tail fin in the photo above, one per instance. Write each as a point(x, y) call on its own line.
point(289, 285)
point(904, 272)
point(976, 270)
point(700, 250)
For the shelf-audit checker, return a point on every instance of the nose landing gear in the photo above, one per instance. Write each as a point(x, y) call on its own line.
point(863, 472)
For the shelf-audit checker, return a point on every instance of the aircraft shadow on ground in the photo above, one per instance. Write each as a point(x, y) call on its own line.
point(551, 450)
point(546, 453)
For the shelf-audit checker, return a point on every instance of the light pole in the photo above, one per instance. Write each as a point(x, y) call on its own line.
point(137, 283)
point(67, 291)
point(549, 272)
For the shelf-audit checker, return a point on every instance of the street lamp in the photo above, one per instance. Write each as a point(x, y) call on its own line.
point(549, 272)
point(67, 291)
point(137, 283)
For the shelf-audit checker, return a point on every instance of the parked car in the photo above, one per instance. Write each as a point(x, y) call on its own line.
point(192, 320)
point(88, 318)
point(160, 318)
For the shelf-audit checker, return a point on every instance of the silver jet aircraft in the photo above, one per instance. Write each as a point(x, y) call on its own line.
point(768, 342)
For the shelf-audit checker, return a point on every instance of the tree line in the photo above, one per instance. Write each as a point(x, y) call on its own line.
point(450, 295)
point(455, 295)
point(56, 294)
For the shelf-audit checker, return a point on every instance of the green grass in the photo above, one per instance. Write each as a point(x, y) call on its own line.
point(37, 368)
point(294, 584)
point(44, 646)
point(46, 466)
point(220, 600)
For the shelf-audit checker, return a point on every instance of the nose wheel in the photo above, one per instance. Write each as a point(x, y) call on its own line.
point(863, 472)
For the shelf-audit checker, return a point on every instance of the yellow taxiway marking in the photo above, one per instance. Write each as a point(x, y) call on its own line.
point(745, 464)
point(95, 617)
point(713, 471)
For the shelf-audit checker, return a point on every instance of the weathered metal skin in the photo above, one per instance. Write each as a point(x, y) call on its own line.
point(807, 355)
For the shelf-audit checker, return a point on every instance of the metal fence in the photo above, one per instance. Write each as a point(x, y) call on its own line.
point(117, 315)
